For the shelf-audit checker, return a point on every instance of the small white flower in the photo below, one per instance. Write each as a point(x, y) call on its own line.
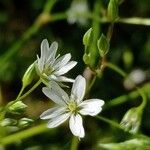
point(137, 76)
point(70, 107)
point(77, 11)
point(51, 67)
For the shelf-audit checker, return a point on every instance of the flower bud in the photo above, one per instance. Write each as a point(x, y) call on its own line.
point(17, 107)
point(8, 122)
point(29, 75)
point(87, 37)
point(132, 120)
point(91, 56)
point(112, 10)
point(24, 122)
point(103, 45)
point(128, 58)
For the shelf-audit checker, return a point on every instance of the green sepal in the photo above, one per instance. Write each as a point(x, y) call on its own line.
point(112, 10)
point(103, 45)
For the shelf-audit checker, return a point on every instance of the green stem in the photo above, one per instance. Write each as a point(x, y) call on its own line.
point(116, 69)
point(31, 90)
point(123, 74)
point(96, 31)
point(131, 20)
point(19, 97)
point(125, 98)
point(74, 144)
point(58, 16)
point(49, 5)
point(23, 134)
point(109, 122)
point(91, 84)
point(135, 21)
point(22, 89)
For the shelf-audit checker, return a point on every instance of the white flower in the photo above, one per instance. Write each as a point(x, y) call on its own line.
point(51, 67)
point(77, 11)
point(70, 107)
point(137, 76)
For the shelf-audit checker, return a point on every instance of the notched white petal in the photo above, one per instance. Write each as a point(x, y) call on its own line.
point(78, 89)
point(91, 107)
point(52, 112)
point(44, 49)
point(56, 93)
point(65, 68)
point(53, 49)
point(76, 125)
point(54, 96)
point(63, 60)
point(64, 79)
point(56, 121)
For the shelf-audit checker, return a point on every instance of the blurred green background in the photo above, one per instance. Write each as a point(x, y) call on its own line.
point(21, 32)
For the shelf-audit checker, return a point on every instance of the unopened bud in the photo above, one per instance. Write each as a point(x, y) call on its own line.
point(112, 10)
point(29, 75)
point(103, 45)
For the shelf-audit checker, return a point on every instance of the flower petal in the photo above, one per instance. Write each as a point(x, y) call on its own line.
point(56, 121)
point(78, 89)
point(63, 60)
point(65, 68)
point(56, 93)
point(44, 52)
point(76, 125)
point(52, 112)
point(44, 49)
point(61, 78)
point(52, 51)
point(91, 107)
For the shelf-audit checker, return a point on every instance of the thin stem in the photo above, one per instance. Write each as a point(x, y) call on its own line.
point(49, 5)
point(31, 90)
point(58, 16)
point(125, 98)
point(135, 21)
point(24, 134)
point(91, 84)
point(22, 89)
point(109, 122)
point(116, 68)
point(122, 73)
point(74, 144)
point(110, 31)
point(130, 21)
point(19, 97)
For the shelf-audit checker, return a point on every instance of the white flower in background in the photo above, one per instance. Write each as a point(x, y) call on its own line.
point(137, 76)
point(52, 67)
point(76, 13)
point(70, 107)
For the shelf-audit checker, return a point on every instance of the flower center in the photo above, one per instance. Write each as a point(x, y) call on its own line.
point(47, 69)
point(72, 106)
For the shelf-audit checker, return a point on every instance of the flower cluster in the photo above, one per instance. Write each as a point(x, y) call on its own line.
point(71, 106)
